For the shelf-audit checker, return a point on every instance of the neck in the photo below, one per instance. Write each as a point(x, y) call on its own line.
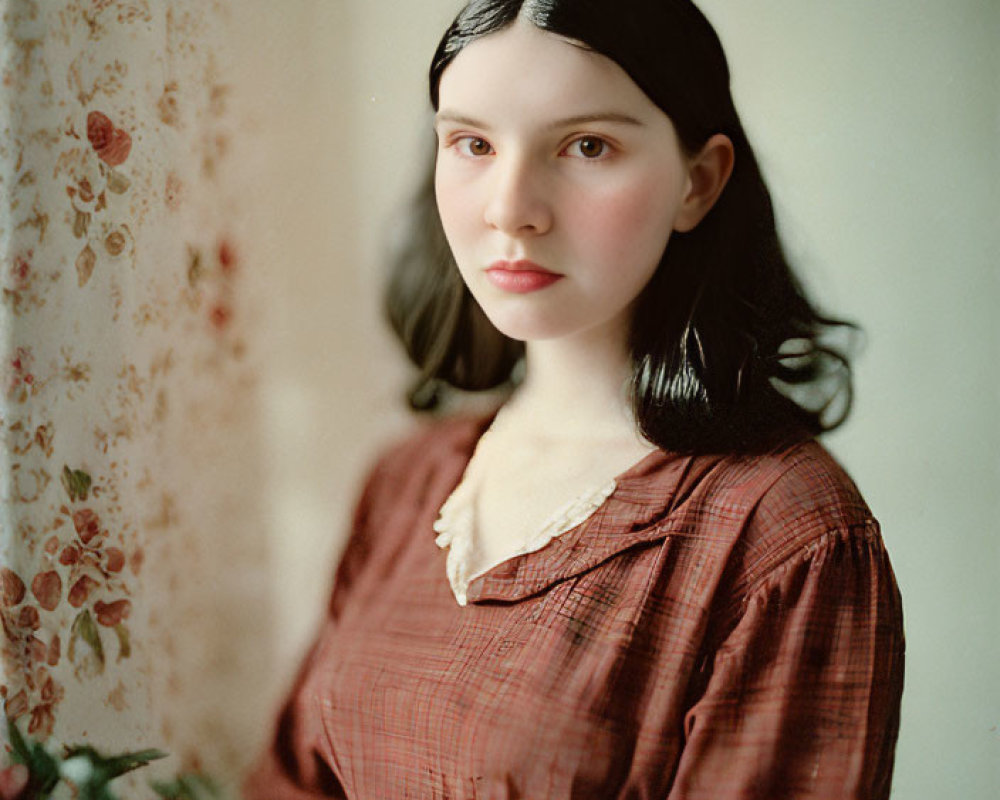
point(576, 387)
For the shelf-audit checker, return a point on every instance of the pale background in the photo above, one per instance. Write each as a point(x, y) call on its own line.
point(877, 126)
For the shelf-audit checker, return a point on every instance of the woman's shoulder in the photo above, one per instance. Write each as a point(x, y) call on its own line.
point(433, 441)
point(798, 503)
point(799, 481)
point(802, 481)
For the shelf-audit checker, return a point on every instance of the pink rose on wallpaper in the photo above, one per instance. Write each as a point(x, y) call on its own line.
point(35, 649)
point(80, 591)
point(115, 559)
point(17, 705)
point(47, 588)
point(43, 717)
point(20, 369)
point(13, 587)
point(220, 315)
point(227, 257)
point(110, 614)
point(43, 720)
point(112, 144)
point(85, 191)
point(29, 618)
point(70, 555)
point(87, 524)
point(21, 270)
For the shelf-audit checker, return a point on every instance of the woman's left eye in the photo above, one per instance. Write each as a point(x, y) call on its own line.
point(590, 148)
point(473, 146)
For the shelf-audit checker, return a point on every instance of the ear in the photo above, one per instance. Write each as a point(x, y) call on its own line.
point(708, 171)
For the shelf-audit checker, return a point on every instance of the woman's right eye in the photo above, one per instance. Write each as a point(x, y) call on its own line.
point(473, 146)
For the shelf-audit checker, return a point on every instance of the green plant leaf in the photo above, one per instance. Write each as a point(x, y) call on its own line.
point(113, 766)
point(189, 786)
point(95, 791)
point(87, 770)
point(119, 765)
point(21, 753)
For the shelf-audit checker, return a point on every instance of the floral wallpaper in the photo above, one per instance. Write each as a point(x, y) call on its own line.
point(127, 479)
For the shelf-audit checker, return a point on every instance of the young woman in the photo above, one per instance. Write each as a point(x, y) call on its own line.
point(642, 577)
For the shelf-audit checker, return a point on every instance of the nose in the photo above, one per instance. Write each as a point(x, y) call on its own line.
point(518, 204)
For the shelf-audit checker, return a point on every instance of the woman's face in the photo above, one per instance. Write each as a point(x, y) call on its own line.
point(558, 183)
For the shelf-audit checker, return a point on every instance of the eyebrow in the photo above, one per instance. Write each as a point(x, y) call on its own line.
point(566, 122)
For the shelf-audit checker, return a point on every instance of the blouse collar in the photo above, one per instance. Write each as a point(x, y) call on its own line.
point(637, 513)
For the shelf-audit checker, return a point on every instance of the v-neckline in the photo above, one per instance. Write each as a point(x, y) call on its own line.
point(482, 426)
point(455, 523)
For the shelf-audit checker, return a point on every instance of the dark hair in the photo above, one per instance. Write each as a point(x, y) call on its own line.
point(727, 352)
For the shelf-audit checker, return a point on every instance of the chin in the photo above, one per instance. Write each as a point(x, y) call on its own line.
point(523, 329)
point(526, 329)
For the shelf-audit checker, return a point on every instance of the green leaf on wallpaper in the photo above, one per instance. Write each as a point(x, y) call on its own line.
point(124, 641)
point(85, 628)
point(187, 787)
point(194, 266)
point(76, 482)
point(117, 182)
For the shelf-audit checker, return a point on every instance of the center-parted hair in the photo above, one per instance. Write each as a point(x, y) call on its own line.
point(726, 351)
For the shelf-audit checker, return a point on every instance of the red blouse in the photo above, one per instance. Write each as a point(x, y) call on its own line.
point(722, 627)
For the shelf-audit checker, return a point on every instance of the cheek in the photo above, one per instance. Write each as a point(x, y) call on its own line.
point(631, 222)
point(454, 204)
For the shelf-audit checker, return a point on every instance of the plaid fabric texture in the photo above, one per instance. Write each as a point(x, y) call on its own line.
point(721, 628)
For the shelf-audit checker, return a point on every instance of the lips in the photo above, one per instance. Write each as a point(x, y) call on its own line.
point(520, 277)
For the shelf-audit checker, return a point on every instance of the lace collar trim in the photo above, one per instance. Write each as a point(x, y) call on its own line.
point(456, 523)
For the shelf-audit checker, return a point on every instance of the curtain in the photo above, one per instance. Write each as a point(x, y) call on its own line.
point(132, 547)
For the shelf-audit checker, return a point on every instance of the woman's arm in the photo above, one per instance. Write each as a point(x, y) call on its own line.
point(803, 696)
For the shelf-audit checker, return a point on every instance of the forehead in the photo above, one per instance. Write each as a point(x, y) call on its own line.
point(525, 70)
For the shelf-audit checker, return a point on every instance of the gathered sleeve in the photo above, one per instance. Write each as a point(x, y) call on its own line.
point(801, 698)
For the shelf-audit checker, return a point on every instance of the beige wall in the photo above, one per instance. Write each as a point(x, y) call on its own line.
point(334, 103)
point(877, 126)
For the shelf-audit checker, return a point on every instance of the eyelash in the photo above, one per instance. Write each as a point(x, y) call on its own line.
point(461, 144)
